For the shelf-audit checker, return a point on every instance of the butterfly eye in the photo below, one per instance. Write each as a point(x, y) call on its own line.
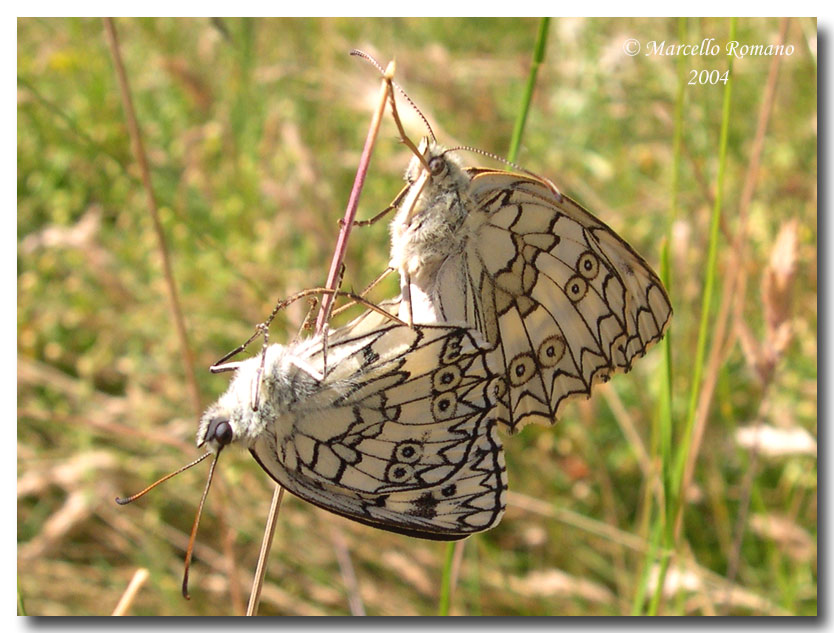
point(437, 166)
point(220, 431)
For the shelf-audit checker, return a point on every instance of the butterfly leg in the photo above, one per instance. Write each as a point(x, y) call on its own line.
point(307, 368)
point(364, 293)
point(391, 207)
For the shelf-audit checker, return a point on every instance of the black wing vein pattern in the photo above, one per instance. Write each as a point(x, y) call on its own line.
point(567, 302)
point(408, 443)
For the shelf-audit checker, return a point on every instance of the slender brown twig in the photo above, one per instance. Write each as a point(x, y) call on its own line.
point(353, 201)
point(170, 284)
point(260, 570)
point(142, 161)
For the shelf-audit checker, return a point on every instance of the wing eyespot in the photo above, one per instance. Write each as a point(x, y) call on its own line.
point(444, 406)
point(551, 351)
point(399, 473)
point(588, 265)
point(446, 378)
point(408, 452)
point(576, 288)
point(522, 368)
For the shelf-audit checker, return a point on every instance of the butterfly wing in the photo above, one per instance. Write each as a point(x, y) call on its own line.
point(400, 435)
point(567, 301)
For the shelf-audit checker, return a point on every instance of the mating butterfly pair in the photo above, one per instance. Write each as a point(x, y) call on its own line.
point(516, 299)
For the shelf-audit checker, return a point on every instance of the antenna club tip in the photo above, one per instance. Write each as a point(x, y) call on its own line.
point(122, 501)
point(390, 69)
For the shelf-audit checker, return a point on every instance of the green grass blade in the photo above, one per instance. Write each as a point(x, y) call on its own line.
point(675, 483)
point(662, 431)
point(521, 119)
point(709, 283)
point(515, 143)
point(446, 584)
point(21, 610)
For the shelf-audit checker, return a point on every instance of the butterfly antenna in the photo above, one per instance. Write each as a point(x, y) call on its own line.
point(193, 536)
point(405, 139)
point(357, 53)
point(125, 500)
point(547, 181)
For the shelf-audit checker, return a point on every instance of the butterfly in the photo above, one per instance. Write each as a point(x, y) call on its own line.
point(565, 301)
point(397, 433)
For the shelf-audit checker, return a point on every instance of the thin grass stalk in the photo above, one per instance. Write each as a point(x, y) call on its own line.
point(648, 559)
point(21, 609)
point(333, 279)
point(162, 244)
point(662, 431)
point(735, 285)
point(340, 547)
point(126, 601)
point(260, 569)
point(709, 285)
point(170, 283)
point(446, 585)
point(666, 422)
point(739, 252)
point(675, 509)
point(515, 144)
point(353, 200)
point(527, 97)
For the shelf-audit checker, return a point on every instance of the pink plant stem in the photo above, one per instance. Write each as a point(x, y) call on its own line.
point(353, 202)
point(324, 312)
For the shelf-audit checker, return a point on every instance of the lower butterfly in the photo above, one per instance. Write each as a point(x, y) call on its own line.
point(398, 432)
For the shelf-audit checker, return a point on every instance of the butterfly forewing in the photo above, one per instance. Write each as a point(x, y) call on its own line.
point(400, 435)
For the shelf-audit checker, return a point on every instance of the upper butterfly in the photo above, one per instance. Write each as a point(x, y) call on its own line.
point(564, 299)
point(399, 433)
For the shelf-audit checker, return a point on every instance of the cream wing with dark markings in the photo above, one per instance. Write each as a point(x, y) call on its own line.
point(400, 434)
point(564, 299)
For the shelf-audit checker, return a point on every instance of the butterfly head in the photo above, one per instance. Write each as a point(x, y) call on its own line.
point(444, 171)
point(240, 414)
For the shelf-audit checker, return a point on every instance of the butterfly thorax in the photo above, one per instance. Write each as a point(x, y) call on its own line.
point(430, 224)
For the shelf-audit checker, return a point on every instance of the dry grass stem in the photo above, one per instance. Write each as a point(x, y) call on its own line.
point(348, 572)
point(126, 601)
point(162, 244)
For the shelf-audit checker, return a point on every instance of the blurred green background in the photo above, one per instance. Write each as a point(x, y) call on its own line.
point(253, 129)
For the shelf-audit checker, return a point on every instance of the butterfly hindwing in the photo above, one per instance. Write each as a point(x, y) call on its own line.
point(579, 304)
point(408, 440)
